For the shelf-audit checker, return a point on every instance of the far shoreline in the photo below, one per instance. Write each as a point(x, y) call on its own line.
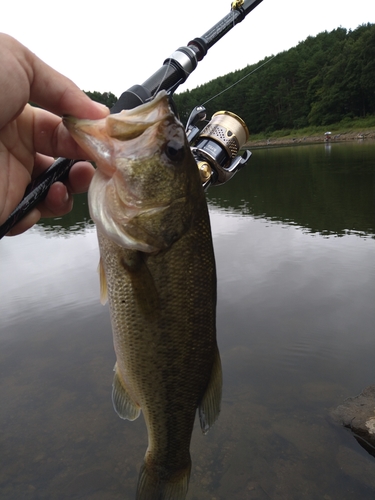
point(318, 138)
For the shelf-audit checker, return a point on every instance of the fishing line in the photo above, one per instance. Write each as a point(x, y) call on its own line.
point(238, 81)
point(164, 77)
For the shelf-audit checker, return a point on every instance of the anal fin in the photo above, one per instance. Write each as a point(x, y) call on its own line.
point(209, 407)
point(123, 403)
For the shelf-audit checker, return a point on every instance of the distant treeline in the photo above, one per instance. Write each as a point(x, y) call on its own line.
point(323, 80)
point(106, 98)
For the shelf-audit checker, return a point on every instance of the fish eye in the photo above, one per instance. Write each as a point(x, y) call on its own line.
point(175, 150)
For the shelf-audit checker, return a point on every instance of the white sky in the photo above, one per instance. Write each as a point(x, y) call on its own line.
point(111, 45)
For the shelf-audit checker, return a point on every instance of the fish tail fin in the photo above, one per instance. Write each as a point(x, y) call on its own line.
point(209, 407)
point(123, 403)
point(151, 487)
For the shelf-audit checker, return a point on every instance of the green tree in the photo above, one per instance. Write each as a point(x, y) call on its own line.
point(106, 98)
point(320, 81)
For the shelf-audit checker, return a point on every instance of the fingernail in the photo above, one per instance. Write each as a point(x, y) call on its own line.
point(66, 197)
point(101, 107)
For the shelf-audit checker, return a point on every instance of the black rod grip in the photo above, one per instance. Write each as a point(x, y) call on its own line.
point(36, 192)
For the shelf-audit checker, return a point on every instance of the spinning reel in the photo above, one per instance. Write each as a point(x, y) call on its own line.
point(216, 147)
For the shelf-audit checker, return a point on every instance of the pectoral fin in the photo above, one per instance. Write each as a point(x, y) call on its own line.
point(123, 403)
point(103, 283)
point(143, 285)
point(209, 407)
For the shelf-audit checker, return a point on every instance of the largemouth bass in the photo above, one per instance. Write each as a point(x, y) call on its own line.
point(157, 268)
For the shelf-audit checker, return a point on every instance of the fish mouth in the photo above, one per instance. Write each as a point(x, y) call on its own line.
point(102, 139)
point(91, 136)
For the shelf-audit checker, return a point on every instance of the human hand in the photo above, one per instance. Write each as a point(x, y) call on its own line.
point(31, 137)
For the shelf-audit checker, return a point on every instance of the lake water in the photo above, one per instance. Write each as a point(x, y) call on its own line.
point(294, 236)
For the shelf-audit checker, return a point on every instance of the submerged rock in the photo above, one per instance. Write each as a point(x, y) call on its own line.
point(358, 415)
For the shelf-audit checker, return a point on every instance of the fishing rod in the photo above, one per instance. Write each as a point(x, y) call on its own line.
point(215, 148)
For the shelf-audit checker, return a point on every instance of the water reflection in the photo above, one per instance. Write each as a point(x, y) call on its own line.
point(295, 330)
point(327, 194)
point(75, 222)
point(40, 274)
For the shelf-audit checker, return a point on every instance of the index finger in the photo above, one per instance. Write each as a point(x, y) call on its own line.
point(25, 77)
point(56, 93)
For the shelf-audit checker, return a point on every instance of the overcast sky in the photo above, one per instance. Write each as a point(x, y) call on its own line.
point(111, 45)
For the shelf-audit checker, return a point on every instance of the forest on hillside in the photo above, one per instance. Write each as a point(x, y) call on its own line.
point(323, 80)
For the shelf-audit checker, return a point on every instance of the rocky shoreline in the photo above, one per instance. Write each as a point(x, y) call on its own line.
point(321, 138)
point(358, 415)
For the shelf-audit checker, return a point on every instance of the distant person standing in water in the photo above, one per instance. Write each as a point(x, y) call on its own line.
point(31, 137)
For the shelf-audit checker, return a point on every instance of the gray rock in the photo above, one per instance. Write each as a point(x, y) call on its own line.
point(358, 415)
